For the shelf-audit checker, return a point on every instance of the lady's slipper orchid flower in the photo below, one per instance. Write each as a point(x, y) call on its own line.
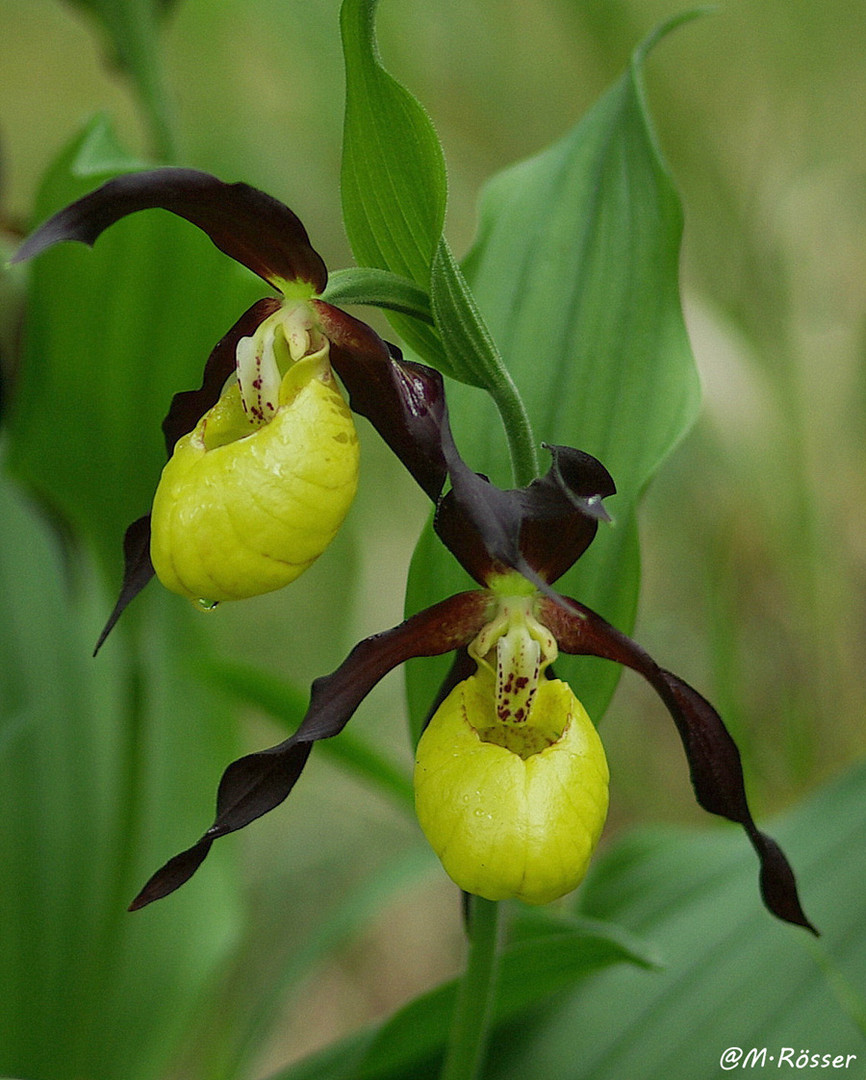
point(511, 781)
point(263, 458)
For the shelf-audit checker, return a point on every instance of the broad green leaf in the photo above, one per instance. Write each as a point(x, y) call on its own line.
point(733, 976)
point(394, 195)
point(112, 333)
point(106, 767)
point(575, 272)
point(533, 967)
point(393, 179)
point(287, 704)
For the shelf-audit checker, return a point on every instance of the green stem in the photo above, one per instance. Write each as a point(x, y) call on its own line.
point(473, 1009)
point(518, 430)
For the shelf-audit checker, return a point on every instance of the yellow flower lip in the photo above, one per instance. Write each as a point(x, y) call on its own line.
point(245, 507)
point(512, 821)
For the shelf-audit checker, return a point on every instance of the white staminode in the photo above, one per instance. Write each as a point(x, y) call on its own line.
point(263, 358)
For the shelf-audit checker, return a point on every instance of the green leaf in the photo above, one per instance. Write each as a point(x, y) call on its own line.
point(575, 271)
point(532, 968)
point(112, 333)
point(105, 766)
point(393, 178)
point(277, 986)
point(733, 975)
point(287, 704)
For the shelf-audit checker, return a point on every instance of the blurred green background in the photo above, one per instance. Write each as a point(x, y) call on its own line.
point(753, 534)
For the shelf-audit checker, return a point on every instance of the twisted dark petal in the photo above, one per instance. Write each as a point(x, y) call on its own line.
point(257, 783)
point(137, 572)
point(404, 401)
point(189, 406)
point(714, 761)
point(539, 530)
point(245, 223)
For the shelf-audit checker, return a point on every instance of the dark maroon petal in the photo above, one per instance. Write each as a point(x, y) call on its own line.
point(175, 873)
point(257, 783)
point(714, 761)
point(480, 525)
point(245, 223)
point(539, 530)
point(561, 511)
point(404, 401)
point(189, 406)
point(137, 571)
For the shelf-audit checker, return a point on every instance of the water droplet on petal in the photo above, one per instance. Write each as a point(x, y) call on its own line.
point(206, 605)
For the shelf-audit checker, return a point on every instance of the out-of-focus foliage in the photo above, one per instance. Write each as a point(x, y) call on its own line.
point(724, 977)
point(92, 772)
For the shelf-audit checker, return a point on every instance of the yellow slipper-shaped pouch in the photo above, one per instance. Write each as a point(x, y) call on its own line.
point(512, 811)
point(243, 509)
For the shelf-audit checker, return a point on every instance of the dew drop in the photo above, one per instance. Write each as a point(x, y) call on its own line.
point(206, 605)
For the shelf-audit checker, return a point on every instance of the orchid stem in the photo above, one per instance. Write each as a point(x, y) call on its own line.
point(518, 430)
point(473, 1011)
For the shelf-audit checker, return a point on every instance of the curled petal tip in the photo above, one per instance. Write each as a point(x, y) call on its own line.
point(713, 758)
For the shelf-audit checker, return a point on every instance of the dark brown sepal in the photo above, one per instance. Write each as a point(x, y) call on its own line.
point(251, 227)
point(258, 782)
point(562, 511)
point(538, 530)
point(137, 571)
point(713, 757)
